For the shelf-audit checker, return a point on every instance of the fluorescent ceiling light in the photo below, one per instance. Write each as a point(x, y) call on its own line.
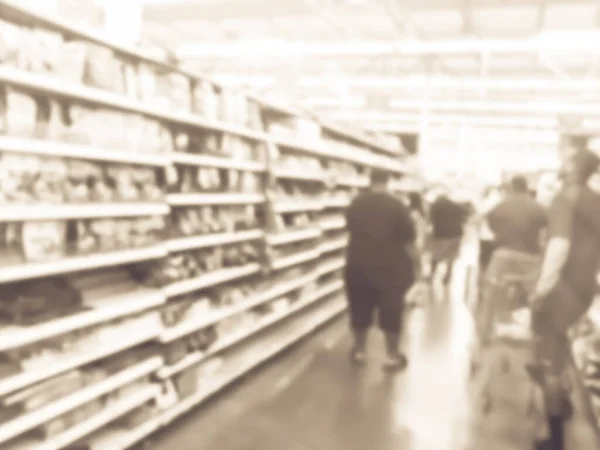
point(342, 102)
point(556, 42)
point(542, 108)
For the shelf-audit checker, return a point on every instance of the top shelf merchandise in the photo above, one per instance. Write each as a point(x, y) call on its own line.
point(155, 230)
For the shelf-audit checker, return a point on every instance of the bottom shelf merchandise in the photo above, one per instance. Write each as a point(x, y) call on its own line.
point(189, 389)
point(586, 354)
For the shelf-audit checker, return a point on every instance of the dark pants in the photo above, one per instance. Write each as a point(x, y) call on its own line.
point(551, 320)
point(364, 298)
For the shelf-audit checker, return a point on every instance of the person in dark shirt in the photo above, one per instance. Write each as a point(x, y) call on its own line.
point(518, 220)
point(380, 267)
point(447, 220)
point(566, 285)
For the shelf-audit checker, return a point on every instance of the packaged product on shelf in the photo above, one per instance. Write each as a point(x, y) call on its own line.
point(205, 100)
point(19, 113)
point(202, 340)
point(11, 43)
point(30, 303)
point(71, 61)
point(103, 69)
point(43, 240)
point(186, 383)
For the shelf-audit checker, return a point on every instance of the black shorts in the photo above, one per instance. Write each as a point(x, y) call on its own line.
point(365, 298)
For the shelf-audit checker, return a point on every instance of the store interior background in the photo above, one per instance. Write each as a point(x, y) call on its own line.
point(486, 84)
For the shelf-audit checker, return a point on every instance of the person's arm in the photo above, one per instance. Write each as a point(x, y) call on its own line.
point(492, 217)
point(408, 235)
point(560, 223)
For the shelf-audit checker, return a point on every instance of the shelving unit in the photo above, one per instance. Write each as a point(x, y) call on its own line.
point(162, 236)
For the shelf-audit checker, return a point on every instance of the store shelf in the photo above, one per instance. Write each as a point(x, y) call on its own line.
point(79, 263)
point(119, 306)
point(235, 338)
point(26, 422)
point(171, 334)
point(288, 237)
point(22, 213)
point(214, 199)
point(122, 439)
point(212, 240)
point(193, 401)
point(54, 367)
point(109, 414)
point(215, 161)
point(210, 279)
point(65, 150)
point(166, 125)
point(53, 86)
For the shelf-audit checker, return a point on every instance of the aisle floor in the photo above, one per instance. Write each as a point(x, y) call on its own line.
point(312, 399)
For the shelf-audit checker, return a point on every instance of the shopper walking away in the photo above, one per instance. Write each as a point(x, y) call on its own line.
point(447, 219)
point(567, 282)
point(517, 223)
point(382, 264)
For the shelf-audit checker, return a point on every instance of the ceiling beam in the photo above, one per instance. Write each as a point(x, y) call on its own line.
point(549, 43)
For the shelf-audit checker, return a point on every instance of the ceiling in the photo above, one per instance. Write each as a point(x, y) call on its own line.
point(387, 63)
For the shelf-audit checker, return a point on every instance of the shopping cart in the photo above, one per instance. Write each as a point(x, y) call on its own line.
point(501, 384)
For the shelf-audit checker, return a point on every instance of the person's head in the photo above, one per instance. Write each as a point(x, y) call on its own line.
point(518, 185)
point(379, 179)
point(415, 202)
point(580, 166)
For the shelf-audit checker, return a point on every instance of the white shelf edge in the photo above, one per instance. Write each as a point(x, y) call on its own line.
point(295, 259)
point(21, 380)
point(332, 224)
point(136, 302)
point(171, 334)
point(210, 279)
point(186, 243)
point(338, 244)
point(300, 175)
point(214, 199)
point(336, 202)
point(28, 421)
point(288, 237)
point(61, 149)
point(79, 263)
point(328, 267)
point(224, 162)
point(292, 206)
point(30, 212)
point(235, 338)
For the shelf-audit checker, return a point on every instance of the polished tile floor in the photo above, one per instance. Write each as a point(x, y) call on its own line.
point(312, 399)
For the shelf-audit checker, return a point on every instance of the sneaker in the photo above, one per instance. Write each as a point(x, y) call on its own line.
point(395, 362)
point(358, 357)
